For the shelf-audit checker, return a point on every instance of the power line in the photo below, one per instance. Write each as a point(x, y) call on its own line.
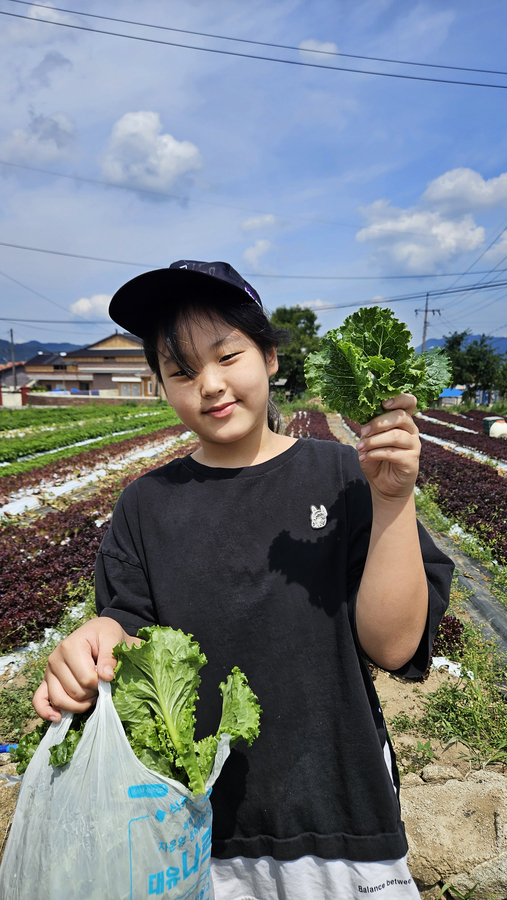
point(122, 262)
point(42, 297)
point(286, 62)
point(140, 190)
point(418, 296)
point(368, 277)
point(223, 37)
point(119, 262)
point(55, 321)
point(375, 300)
point(242, 209)
point(499, 231)
point(52, 330)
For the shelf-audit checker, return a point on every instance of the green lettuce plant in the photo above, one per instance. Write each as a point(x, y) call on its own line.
point(369, 359)
point(154, 692)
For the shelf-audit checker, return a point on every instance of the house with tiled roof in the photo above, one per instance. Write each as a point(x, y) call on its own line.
point(7, 375)
point(112, 367)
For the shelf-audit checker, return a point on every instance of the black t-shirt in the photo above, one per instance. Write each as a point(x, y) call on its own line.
point(234, 557)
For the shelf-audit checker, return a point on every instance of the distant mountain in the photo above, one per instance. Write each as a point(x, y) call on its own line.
point(30, 348)
point(499, 344)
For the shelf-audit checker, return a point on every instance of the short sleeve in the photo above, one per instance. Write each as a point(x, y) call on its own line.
point(122, 587)
point(438, 567)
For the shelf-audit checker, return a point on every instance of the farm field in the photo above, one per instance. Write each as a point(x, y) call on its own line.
point(48, 554)
point(33, 438)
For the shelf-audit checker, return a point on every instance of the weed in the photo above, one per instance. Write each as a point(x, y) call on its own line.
point(455, 894)
point(426, 503)
point(471, 711)
point(401, 723)
point(425, 751)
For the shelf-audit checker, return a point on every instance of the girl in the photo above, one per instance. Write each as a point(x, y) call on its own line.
point(296, 560)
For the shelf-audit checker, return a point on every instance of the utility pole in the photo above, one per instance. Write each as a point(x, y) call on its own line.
point(425, 327)
point(13, 356)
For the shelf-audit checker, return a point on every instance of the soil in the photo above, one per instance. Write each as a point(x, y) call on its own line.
point(398, 696)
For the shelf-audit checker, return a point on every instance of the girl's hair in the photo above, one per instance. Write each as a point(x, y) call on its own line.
point(248, 317)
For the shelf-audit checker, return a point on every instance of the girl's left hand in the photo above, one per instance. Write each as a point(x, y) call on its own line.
point(389, 449)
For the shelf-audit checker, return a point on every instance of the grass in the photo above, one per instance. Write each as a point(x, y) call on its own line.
point(471, 710)
point(455, 894)
point(16, 710)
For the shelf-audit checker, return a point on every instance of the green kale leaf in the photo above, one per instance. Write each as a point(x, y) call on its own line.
point(370, 359)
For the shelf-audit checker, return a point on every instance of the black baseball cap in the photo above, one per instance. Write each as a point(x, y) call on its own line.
point(137, 301)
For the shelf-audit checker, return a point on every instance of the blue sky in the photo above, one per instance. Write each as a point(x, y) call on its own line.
point(280, 170)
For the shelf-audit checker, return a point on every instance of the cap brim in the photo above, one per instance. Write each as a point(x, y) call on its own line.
point(137, 303)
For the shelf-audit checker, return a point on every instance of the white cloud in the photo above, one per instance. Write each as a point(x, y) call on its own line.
point(92, 307)
point(498, 252)
point(258, 222)
point(417, 239)
point(47, 139)
point(34, 32)
point(313, 304)
point(315, 50)
point(139, 155)
point(465, 189)
point(252, 255)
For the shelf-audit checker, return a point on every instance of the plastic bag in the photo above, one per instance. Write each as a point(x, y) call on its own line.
point(104, 827)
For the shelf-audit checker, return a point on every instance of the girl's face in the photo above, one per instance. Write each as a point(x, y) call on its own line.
point(226, 401)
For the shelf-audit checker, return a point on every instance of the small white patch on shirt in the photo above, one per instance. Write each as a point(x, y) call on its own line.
point(318, 517)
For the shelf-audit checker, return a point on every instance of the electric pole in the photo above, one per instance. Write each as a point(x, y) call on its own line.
point(13, 356)
point(425, 327)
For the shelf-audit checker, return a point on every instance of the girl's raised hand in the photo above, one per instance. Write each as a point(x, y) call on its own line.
point(389, 449)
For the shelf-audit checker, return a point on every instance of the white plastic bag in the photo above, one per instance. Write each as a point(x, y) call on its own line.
point(104, 827)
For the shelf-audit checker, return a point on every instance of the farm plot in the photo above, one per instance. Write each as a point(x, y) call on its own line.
point(454, 419)
point(310, 423)
point(47, 563)
point(22, 450)
point(492, 448)
point(470, 492)
point(52, 558)
point(27, 490)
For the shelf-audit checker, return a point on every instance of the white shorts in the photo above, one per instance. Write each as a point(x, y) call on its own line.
point(311, 877)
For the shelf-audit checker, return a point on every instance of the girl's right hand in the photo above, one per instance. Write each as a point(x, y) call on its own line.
point(72, 674)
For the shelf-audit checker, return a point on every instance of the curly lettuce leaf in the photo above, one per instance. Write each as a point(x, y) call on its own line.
point(157, 683)
point(155, 691)
point(437, 376)
point(370, 359)
point(240, 709)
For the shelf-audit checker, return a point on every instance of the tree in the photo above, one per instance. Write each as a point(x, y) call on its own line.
point(475, 363)
point(301, 325)
point(501, 379)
